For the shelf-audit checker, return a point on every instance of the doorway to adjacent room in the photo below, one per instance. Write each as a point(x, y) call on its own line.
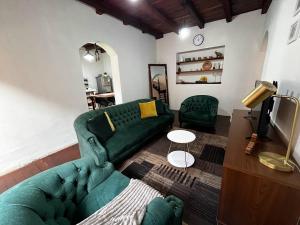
point(100, 71)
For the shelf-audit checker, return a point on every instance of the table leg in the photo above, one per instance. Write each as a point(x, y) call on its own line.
point(188, 148)
point(94, 103)
point(185, 158)
point(170, 147)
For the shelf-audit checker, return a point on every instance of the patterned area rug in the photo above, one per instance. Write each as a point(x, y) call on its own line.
point(198, 186)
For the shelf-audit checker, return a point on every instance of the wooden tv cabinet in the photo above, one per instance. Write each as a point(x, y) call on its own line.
point(251, 193)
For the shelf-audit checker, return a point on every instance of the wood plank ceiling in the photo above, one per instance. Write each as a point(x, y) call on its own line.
point(158, 17)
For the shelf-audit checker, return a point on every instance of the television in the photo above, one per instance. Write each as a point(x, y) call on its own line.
point(260, 116)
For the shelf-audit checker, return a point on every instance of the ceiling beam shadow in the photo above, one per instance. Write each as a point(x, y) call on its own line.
point(104, 8)
point(227, 9)
point(191, 9)
point(265, 6)
point(160, 16)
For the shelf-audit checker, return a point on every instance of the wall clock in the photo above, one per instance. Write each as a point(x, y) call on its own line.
point(198, 40)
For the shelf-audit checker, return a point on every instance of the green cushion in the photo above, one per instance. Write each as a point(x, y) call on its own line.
point(120, 143)
point(99, 126)
point(137, 133)
point(195, 115)
point(160, 108)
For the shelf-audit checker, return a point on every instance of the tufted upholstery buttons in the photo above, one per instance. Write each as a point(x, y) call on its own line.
point(48, 196)
point(63, 197)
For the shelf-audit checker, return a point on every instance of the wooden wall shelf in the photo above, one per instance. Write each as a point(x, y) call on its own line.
point(201, 60)
point(184, 73)
point(189, 70)
point(198, 83)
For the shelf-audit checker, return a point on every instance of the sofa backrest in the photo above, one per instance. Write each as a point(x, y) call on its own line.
point(121, 115)
point(52, 196)
point(124, 114)
point(201, 103)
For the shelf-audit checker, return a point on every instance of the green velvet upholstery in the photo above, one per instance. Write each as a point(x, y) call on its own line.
point(69, 193)
point(131, 131)
point(200, 110)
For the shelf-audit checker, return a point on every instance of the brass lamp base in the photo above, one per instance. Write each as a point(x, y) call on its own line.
point(274, 161)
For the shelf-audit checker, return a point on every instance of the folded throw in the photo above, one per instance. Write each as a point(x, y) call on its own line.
point(128, 208)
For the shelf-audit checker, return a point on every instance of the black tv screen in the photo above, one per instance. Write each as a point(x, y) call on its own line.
point(260, 118)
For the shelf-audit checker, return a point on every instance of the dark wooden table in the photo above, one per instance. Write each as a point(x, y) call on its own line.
point(93, 98)
point(251, 193)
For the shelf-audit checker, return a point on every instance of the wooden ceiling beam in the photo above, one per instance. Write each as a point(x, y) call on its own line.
point(227, 9)
point(191, 9)
point(102, 7)
point(265, 6)
point(160, 16)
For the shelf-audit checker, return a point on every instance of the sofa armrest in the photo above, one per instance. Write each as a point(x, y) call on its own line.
point(167, 109)
point(97, 151)
point(166, 211)
point(88, 142)
point(90, 146)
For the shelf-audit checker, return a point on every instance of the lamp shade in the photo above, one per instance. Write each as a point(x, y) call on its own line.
point(259, 94)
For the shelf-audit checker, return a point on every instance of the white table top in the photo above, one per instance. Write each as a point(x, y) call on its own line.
point(181, 136)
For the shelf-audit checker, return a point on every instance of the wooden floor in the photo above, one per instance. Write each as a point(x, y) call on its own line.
point(72, 153)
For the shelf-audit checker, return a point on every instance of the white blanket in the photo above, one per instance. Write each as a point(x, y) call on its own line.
point(128, 208)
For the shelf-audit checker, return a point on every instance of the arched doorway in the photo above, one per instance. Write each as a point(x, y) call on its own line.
point(100, 70)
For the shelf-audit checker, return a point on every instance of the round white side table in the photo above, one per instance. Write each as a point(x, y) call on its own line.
point(181, 158)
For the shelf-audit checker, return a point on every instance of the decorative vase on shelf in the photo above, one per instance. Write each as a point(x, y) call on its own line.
point(203, 79)
point(207, 65)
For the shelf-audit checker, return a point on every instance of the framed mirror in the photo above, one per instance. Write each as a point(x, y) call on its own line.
point(158, 82)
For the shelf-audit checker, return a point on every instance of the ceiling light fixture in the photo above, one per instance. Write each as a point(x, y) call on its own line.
point(88, 56)
point(133, 0)
point(97, 53)
point(184, 33)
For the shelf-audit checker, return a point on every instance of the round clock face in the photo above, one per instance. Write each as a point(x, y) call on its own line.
point(198, 39)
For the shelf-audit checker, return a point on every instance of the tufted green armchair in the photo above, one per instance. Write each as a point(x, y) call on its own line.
point(67, 194)
point(200, 110)
point(131, 131)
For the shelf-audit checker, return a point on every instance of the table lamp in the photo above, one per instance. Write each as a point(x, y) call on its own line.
point(273, 160)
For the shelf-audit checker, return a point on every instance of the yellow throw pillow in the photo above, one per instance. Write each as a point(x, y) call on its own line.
point(148, 109)
point(110, 122)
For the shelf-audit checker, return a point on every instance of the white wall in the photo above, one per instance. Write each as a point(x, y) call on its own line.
point(91, 70)
point(282, 63)
point(41, 85)
point(242, 39)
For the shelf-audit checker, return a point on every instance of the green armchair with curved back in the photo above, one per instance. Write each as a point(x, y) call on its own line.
point(200, 110)
point(69, 193)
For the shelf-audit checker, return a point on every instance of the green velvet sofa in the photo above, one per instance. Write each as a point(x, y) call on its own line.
point(200, 110)
point(71, 192)
point(131, 131)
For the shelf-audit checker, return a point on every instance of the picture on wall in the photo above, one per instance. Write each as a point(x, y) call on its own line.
point(294, 32)
point(297, 10)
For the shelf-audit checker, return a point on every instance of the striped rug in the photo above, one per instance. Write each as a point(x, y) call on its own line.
point(198, 187)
